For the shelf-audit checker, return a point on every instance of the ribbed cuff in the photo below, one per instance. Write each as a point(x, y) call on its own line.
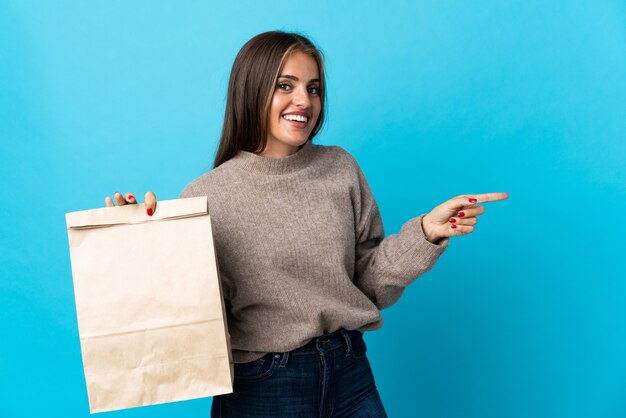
point(420, 254)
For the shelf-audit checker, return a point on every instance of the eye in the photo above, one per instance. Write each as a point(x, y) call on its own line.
point(314, 90)
point(284, 86)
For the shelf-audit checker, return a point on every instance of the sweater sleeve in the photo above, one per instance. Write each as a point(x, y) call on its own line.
point(384, 267)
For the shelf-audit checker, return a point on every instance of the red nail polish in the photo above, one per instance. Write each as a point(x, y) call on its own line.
point(460, 214)
point(149, 211)
point(131, 197)
point(454, 226)
point(452, 220)
point(473, 200)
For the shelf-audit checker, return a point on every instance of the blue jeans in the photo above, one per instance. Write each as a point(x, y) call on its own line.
point(328, 377)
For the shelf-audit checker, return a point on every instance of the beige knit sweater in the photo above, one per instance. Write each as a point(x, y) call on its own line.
point(301, 248)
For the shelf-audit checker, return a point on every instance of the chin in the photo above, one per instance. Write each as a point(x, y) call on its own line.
point(295, 142)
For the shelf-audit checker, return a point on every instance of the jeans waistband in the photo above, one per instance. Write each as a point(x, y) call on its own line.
point(322, 345)
point(338, 339)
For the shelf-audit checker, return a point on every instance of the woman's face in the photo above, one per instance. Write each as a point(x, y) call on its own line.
point(295, 106)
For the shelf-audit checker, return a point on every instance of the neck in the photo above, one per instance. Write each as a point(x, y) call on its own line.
point(279, 150)
point(256, 162)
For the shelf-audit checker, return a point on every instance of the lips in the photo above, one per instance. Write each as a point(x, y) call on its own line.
point(297, 113)
point(295, 123)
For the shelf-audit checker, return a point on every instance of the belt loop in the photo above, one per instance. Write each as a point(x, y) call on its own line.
point(346, 337)
point(283, 360)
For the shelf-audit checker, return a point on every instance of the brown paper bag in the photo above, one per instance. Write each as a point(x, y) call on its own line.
point(151, 316)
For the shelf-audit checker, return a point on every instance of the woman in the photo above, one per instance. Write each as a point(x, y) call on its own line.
point(300, 243)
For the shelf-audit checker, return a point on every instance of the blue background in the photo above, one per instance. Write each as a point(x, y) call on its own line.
point(522, 318)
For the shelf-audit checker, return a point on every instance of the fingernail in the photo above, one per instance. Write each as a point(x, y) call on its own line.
point(452, 220)
point(473, 200)
point(454, 226)
point(149, 211)
point(131, 197)
point(460, 214)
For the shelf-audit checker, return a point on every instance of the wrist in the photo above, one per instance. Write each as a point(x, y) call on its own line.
point(430, 236)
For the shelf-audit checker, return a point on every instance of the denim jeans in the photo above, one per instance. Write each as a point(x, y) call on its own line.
point(328, 377)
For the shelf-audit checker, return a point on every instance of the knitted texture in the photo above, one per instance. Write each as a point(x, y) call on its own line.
point(301, 249)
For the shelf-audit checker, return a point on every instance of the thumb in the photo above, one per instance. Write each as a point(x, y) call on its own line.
point(150, 203)
point(462, 202)
point(442, 213)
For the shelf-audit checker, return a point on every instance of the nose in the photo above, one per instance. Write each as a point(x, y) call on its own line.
point(301, 98)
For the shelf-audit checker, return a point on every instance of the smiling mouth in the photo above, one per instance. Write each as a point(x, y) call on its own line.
point(297, 123)
point(298, 117)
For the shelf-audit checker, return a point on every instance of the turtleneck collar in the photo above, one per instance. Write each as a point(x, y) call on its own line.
point(250, 161)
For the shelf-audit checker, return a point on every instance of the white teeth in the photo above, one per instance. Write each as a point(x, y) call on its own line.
point(296, 117)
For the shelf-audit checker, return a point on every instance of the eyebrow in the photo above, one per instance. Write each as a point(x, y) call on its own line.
point(293, 77)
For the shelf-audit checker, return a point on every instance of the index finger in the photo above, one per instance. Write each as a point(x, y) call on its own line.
point(491, 197)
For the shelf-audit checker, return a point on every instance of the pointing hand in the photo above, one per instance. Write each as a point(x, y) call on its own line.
point(457, 216)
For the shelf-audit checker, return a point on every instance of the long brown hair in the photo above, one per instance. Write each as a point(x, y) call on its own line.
point(251, 86)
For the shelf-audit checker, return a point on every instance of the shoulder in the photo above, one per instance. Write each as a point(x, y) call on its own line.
point(337, 156)
point(204, 184)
